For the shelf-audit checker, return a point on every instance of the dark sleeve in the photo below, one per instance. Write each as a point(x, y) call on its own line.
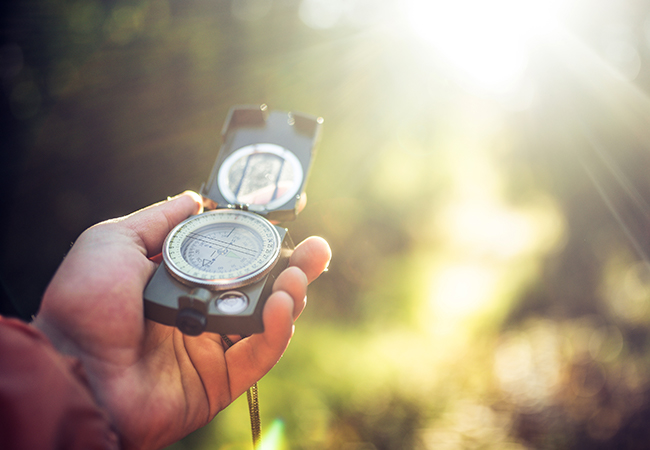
point(45, 399)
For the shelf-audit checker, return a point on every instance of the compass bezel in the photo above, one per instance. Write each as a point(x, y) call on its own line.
point(188, 274)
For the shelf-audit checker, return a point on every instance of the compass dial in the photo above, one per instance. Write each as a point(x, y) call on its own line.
point(222, 249)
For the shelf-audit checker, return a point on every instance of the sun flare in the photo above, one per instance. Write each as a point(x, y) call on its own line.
point(486, 42)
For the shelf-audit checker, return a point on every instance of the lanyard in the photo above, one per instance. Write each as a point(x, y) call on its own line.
point(253, 404)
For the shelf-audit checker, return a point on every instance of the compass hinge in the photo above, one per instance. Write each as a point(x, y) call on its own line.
point(239, 206)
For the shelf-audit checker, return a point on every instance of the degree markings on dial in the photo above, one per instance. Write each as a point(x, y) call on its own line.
point(217, 242)
point(214, 241)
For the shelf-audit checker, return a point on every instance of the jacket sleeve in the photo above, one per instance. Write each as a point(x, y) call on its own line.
point(45, 399)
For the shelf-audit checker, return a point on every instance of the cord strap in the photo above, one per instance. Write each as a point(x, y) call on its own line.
point(253, 404)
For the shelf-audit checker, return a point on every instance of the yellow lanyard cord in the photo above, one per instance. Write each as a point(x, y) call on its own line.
point(254, 412)
point(253, 405)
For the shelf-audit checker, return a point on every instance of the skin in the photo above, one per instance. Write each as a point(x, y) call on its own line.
point(157, 384)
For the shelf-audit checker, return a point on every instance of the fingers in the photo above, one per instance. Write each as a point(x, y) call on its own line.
point(293, 281)
point(153, 224)
point(312, 256)
point(251, 358)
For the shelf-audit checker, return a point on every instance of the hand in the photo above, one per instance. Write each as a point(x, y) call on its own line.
point(157, 384)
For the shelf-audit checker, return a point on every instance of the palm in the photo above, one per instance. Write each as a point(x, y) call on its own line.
point(157, 383)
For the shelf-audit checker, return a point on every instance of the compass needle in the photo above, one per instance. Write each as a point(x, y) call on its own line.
point(248, 242)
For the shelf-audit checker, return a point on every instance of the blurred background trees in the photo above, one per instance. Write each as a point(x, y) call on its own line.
point(482, 180)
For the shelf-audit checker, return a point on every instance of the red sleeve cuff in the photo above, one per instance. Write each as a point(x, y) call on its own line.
point(45, 399)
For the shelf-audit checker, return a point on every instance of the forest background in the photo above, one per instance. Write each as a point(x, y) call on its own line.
point(482, 179)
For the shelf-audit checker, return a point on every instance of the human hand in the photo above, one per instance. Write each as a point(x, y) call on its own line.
point(157, 384)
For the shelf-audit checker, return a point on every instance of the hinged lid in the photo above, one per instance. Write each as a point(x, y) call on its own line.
point(264, 161)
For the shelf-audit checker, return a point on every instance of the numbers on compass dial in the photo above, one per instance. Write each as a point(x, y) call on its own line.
point(221, 248)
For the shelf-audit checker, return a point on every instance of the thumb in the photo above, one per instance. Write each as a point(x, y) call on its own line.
point(152, 224)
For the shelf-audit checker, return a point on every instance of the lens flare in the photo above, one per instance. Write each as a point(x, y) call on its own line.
point(274, 436)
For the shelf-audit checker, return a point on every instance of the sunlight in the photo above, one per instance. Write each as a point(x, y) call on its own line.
point(489, 250)
point(491, 229)
point(487, 42)
point(273, 437)
point(461, 290)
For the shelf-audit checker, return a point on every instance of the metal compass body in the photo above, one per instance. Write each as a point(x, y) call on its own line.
point(219, 266)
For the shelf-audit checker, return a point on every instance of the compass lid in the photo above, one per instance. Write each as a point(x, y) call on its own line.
point(264, 161)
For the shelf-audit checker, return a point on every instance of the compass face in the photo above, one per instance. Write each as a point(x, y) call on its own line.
point(222, 249)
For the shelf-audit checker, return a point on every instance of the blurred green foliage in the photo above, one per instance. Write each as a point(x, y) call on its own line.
point(489, 286)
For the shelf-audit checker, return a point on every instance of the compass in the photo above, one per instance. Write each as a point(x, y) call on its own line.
point(219, 267)
point(222, 249)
